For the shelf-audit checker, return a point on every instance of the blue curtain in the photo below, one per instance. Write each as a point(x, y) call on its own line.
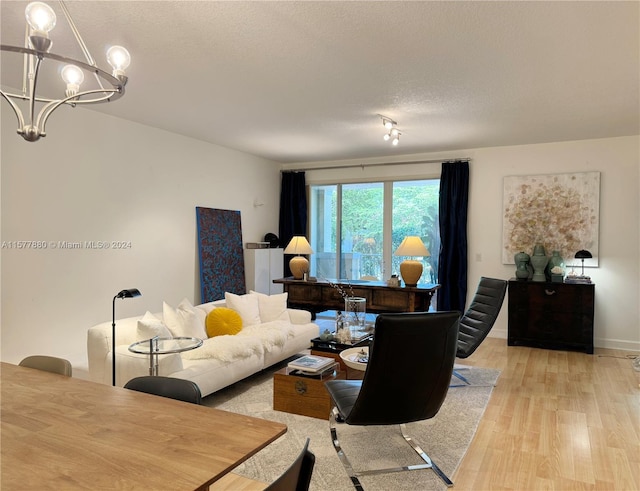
point(293, 210)
point(452, 268)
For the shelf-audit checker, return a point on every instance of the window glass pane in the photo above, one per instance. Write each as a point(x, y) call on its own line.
point(323, 214)
point(347, 222)
point(362, 223)
point(415, 212)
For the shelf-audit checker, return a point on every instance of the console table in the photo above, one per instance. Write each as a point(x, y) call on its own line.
point(317, 296)
point(551, 315)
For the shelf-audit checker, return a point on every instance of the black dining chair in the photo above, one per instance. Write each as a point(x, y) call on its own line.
point(47, 363)
point(478, 319)
point(298, 476)
point(406, 380)
point(173, 388)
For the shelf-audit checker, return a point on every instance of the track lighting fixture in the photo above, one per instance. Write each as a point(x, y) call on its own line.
point(393, 133)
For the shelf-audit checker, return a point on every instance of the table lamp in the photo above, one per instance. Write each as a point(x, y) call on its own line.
point(299, 265)
point(130, 293)
point(582, 254)
point(411, 269)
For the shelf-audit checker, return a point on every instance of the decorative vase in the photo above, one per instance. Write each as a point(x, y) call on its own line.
point(539, 262)
point(354, 313)
point(522, 262)
point(554, 261)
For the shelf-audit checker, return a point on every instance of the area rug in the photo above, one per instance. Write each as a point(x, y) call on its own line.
point(445, 438)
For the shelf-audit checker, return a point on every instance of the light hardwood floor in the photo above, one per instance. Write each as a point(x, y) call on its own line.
point(557, 421)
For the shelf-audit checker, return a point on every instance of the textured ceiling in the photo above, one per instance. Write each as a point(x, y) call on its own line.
point(304, 81)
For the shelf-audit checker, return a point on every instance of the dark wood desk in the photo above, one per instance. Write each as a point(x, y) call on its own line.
point(317, 296)
point(64, 433)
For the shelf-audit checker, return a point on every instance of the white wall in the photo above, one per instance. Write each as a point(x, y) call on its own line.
point(616, 279)
point(99, 178)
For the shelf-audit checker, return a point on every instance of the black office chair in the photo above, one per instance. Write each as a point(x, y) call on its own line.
point(298, 476)
point(479, 318)
point(48, 364)
point(407, 379)
point(173, 388)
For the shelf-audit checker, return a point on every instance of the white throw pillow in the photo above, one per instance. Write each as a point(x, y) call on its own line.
point(246, 306)
point(206, 307)
point(150, 326)
point(185, 320)
point(272, 307)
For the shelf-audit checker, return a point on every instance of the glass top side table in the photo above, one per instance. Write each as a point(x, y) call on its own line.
point(163, 346)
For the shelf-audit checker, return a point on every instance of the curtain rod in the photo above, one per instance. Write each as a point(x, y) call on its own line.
point(409, 162)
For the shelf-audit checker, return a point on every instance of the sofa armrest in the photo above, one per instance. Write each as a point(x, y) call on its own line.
point(299, 316)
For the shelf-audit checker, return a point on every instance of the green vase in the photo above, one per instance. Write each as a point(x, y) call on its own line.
point(539, 262)
point(522, 265)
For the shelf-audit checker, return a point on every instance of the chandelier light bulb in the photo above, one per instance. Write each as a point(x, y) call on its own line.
point(394, 132)
point(386, 137)
point(388, 124)
point(40, 17)
point(395, 141)
point(119, 59)
point(73, 77)
point(71, 74)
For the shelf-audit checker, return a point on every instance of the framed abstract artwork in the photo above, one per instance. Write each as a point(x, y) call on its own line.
point(559, 211)
point(220, 253)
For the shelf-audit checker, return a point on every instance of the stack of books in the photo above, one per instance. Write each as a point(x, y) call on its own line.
point(585, 280)
point(311, 365)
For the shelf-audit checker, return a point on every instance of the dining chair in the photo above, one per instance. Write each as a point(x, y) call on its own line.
point(298, 476)
point(478, 319)
point(173, 388)
point(406, 380)
point(48, 363)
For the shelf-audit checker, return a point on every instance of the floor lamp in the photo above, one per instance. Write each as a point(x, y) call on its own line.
point(131, 293)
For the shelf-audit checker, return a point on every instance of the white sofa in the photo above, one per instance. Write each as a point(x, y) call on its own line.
point(222, 360)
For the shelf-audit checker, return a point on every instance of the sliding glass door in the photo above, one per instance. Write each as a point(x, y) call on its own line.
point(356, 227)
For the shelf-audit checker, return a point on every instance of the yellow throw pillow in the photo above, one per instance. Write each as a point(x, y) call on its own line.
point(222, 320)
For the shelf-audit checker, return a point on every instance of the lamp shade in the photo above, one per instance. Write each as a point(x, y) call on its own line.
point(298, 245)
point(298, 265)
point(582, 254)
point(412, 246)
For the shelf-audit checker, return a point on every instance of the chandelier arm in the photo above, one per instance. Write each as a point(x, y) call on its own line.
point(117, 83)
point(77, 35)
point(32, 90)
point(85, 50)
point(46, 111)
point(26, 63)
point(15, 108)
point(110, 94)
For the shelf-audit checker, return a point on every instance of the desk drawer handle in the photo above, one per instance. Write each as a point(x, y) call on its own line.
point(550, 292)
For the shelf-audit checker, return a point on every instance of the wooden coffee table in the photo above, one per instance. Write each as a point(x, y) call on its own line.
point(303, 395)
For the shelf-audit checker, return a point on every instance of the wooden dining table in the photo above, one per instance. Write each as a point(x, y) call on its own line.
point(64, 433)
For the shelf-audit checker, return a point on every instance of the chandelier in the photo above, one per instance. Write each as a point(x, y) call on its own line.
point(41, 19)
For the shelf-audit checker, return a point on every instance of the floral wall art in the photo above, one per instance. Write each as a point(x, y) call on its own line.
point(559, 211)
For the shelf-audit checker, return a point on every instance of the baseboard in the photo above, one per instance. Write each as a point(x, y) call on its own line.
point(619, 344)
point(497, 333)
